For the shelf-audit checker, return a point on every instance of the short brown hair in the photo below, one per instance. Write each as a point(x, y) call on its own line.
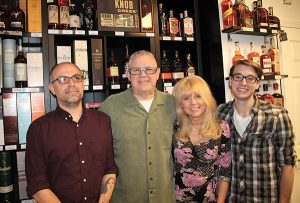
point(250, 63)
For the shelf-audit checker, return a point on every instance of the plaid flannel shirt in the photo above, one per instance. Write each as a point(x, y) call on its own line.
point(257, 155)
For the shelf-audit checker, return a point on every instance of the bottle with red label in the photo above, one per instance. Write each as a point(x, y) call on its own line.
point(278, 98)
point(265, 61)
point(229, 20)
point(253, 55)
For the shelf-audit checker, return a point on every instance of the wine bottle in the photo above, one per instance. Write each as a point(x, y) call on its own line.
point(52, 14)
point(178, 70)
point(6, 177)
point(278, 98)
point(74, 18)
point(113, 70)
point(17, 19)
point(166, 68)
point(20, 67)
point(3, 19)
point(89, 15)
point(125, 65)
point(64, 14)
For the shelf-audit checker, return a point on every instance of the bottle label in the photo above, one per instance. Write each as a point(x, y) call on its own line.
point(124, 76)
point(267, 63)
point(16, 24)
point(190, 71)
point(21, 72)
point(74, 21)
point(166, 76)
point(227, 13)
point(278, 101)
point(256, 59)
point(64, 15)
point(6, 189)
point(274, 25)
point(178, 75)
point(9, 56)
point(2, 25)
point(114, 71)
point(188, 26)
point(53, 14)
point(173, 26)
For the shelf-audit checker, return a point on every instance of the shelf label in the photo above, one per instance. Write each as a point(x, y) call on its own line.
point(18, 33)
point(274, 32)
point(26, 89)
point(178, 38)
point(1, 148)
point(79, 32)
point(166, 38)
point(248, 29)
point(86, 87)
point(53, 31)
point(98, 87)
point(36, 34)
point(168, 84)
point(10, 147)
point(67, 32)
point(93, 32)
point(263, 30)
point(190, 39)
point(115, 87)
point(149, 34)
point(23, 146)
point(119, 33)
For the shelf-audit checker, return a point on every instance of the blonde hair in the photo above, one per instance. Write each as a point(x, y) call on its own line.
point(210, 127)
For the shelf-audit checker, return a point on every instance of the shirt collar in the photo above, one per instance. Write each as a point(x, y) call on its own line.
point(132, 101)
point(67, 116)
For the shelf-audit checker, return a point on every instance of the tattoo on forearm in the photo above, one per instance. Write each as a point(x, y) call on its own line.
point(107, 185)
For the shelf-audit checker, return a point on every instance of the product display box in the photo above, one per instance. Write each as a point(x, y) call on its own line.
point(35, 69)
point(24, 115)
point(81, 59)
point(63, 54)
point(37, 105)
point(97, 63)
point(34, 15)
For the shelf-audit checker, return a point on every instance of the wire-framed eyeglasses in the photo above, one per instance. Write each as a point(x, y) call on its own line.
point(65, 79)
point(138, 71)
point(249, 78)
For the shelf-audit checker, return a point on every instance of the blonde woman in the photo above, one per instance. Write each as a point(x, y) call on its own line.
point(201, 145)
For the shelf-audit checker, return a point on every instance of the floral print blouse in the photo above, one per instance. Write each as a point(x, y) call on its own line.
point(198, 168)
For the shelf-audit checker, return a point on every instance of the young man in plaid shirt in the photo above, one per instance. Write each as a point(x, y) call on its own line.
point(262, 141)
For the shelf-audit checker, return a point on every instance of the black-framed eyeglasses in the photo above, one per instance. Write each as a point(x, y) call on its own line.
point(65, 79)
point(249, 78)
point(138, 71)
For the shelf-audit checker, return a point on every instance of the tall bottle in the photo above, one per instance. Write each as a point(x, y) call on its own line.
point(181, 25)
point(74, 18)
point(178, 70)
point(253, 55)
point(20, 67)
point(3, 19)
point(113, 70)
point(239, 10)
point(275, 57)
point(274, 21)
point(53, 14)
point(189, 66)
point(64, 14)
point(173, 24)
point(229, 20)
point(164, 24)
point(265, 61)
point(166, 68)
point(125, 65)
point(17, 19)
point(187, 25)
point(89, 15)
point(278, 98)
point(237, 54)
point(267, 96)
point(6, 177)
point(260, 17)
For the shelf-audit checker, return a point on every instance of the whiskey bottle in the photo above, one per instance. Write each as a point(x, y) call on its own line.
point(238, 10)
point(229, 20)
point(265, 61)
point(166, 68)
point(160, 16)
point(52, 14)
point(3, 19)
point(64, 14)
point(6, 177)
point(237, 54)
point(113, 70)
point(247, 20)
point(267, 96)
point(89, 15)
point(274, 21)
point(74, 18)
point(178, 70)
point(125, 65)
point(275, 57)
point(173, 24)
point(189, 66)
point(253, 55)
point(17, 19)
point(164, 31)
point(278, 98)
point(181, 25)
point(260, 18)
point(187, 25)
point(20, 68)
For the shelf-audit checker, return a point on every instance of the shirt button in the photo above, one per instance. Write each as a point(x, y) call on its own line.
point(84, 180)
point(150, 163)
point(149, 147)
point(151, 192)
point(151, 178)
point(66, 118)
point(148, 133)
point(82, 161)
point(85, 198)
point(69, 116)
point(80, 143)
point(77, 125)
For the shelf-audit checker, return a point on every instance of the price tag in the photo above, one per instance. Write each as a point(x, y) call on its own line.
point(263, 30)
point(166, 38)
point(52, 31)
point(274, 31)
point(1, 148)
point(93, 32)
point(79, 32)
point(67, 32)
point(10, 147)
point(36, 34)
point(115, 87)
point(18, 33)
point(19, 89)
point(98, 87)
point(248, 29)
point(168, 84)
point(149, 34)
point(23, 146)
point(178, 38)
point(119, 33)
point(190, 39)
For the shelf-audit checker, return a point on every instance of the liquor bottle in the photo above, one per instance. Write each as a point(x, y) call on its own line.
point(17, 19)
point(265, 61)
point(181, 25)
point(64, 14)
point(267, 96)
point(113, 70)
point(178, 70)
point(237, 54)
point(275, 57)
point(52, 14)
point(189, 66)
point(274, 21)
point(74, 18)
point(187, 25)
point(89, 15)
point(173, 24)
point(260, 17)
point(164, 25)
point(20, 68)
point(253, 55)
point(247, 20)
point(125, 65)
point(238, 10)
point(3, 19)
point(278, 98)
point(229, 20)
point(160, 16)
point(259, 96)
point(166, 68)
point(6, 177)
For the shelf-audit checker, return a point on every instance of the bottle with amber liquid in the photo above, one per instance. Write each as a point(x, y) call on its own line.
point(74, 18)
point(113, 70)
point(20, 67)
point(238, 10)
point(17, 19)
point(229, 20)
point(189, 66)
point(275, 57)
point(274, 21)
point(173, 24)
point(253, 55)
point(166, 68)
point(64, 14)
point(260, 17)
point(278, 98)
point(52, 14)
point(265, 61)
point(188, 25)
point(237, 54)
point(178, 69)
point(125, 65)
point(3, 19)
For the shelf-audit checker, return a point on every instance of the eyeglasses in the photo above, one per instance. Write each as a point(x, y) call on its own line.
point(65, 79)
point(249, 78)
point(138, 71)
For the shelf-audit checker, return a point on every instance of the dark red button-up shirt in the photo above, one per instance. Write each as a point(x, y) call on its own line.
point(69, 158)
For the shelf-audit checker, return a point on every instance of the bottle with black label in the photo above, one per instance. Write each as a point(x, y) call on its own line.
point(189, 66)
point(74, 18)
point(178, 70)
point(17, 19)
point(89, 15)
point(166, 68)
point(125, 65)
point(20, 67)
point(6, 177)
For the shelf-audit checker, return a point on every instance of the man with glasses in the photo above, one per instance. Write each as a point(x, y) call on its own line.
point(69, 155)
point(262, 142)
point(142, 125)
